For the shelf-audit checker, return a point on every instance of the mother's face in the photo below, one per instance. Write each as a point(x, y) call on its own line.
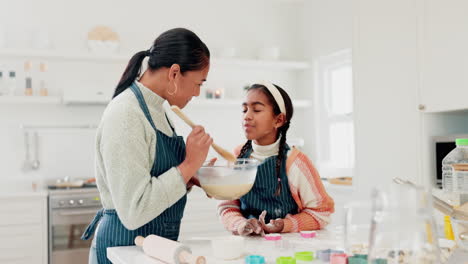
point(188, 85)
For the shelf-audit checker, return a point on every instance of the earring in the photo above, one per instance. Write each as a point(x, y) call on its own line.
point(175, 90)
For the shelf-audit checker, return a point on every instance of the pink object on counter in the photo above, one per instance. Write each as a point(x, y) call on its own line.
point(338, 258)
point(273, 236)
point(308, 234)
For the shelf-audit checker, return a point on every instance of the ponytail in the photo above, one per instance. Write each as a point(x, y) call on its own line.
point(244, 149)
point(131, 72)
point(176, 46)
point(281, 155)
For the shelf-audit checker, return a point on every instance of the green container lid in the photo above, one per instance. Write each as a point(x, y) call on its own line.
point(461, 142)
point(379, 261)
point(304, 256)
point(357, 260)
point(363, 256)
point(285, 260)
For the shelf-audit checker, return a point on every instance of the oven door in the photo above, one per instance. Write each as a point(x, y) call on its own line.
point(66, 227)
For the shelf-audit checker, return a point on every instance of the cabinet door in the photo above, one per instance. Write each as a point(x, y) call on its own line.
point(20, 243)
point(444, 55)
point(385, 93)
point(23, 230)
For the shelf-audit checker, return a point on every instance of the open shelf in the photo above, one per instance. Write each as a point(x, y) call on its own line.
point(30, 100)
point(124, 58)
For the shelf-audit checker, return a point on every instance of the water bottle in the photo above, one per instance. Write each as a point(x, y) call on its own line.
point(11, 84)
point(459, 155)
point(2, 84)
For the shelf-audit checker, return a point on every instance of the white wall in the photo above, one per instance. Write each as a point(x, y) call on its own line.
point(245, 25)
point(327, 29)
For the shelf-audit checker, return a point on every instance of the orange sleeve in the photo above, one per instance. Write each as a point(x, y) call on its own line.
point(314, 203)
point(230, 214)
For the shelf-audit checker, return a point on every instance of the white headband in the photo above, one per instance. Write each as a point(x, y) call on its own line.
point(276, 94)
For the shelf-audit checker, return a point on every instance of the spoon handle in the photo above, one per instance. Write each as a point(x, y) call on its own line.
point(224, 153)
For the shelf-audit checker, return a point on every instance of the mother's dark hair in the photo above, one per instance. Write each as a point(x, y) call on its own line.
point(175, 46)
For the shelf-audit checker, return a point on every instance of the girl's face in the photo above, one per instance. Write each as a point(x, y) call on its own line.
point(260, 122)
point(188, 85)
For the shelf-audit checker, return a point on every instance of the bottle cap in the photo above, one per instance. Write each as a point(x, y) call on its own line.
point(27, 65)
point(461, 142)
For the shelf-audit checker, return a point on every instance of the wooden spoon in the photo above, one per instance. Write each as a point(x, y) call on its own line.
point(224, 153)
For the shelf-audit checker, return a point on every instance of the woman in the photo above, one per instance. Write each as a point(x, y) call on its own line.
point(142, 166)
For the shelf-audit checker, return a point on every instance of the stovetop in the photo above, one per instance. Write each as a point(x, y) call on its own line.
point(85, 186)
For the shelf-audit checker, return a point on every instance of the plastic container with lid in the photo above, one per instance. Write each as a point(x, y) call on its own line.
point(304, 257)
point(338, 258)
point(357, 259)
point(254, 259)
point(285, 260)
point(308, 234)
point(324, 255)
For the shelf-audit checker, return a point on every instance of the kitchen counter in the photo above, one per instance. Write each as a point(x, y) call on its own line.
point(23, 194)
point(253, 245)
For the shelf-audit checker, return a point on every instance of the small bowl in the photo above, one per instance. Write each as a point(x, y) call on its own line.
point(228, 181)
point(228, 248)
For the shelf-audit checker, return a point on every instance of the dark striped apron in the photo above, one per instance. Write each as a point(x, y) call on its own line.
point(170, 152)
point(262, 195)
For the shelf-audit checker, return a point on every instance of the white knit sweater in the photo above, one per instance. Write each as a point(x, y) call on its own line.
point(125, 151)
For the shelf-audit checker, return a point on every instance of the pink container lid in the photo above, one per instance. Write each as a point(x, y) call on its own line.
point(338, 258)
point(273, 236)
point(308, 234)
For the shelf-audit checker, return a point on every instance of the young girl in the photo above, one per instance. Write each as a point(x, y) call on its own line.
point(288, 195)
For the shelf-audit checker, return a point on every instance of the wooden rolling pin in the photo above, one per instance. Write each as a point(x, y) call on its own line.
point(167, 250)
point(224, 153)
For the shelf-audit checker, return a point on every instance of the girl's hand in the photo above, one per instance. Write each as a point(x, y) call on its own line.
point(197, 146)
point(275, 225)
point(248, 227)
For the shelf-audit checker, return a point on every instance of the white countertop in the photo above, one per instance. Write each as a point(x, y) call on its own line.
point(22, 194)
point(290, 244)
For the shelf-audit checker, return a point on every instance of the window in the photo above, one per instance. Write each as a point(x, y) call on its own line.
point(334, 108)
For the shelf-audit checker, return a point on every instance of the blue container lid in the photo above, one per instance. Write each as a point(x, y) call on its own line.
point(254, 259)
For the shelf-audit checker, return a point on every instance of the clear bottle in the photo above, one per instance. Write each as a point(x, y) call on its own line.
point(28, 91)
point(2, 84)
point(11, 83)
point(42, 79)
point(459, 155)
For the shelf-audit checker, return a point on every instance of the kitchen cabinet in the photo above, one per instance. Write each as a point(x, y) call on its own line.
point(387, 121)
point(23, 229)
point(443, 42)
point(408, 62)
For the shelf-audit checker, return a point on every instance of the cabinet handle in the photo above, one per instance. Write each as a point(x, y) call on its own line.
point(422, 107)
point(83, 212)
